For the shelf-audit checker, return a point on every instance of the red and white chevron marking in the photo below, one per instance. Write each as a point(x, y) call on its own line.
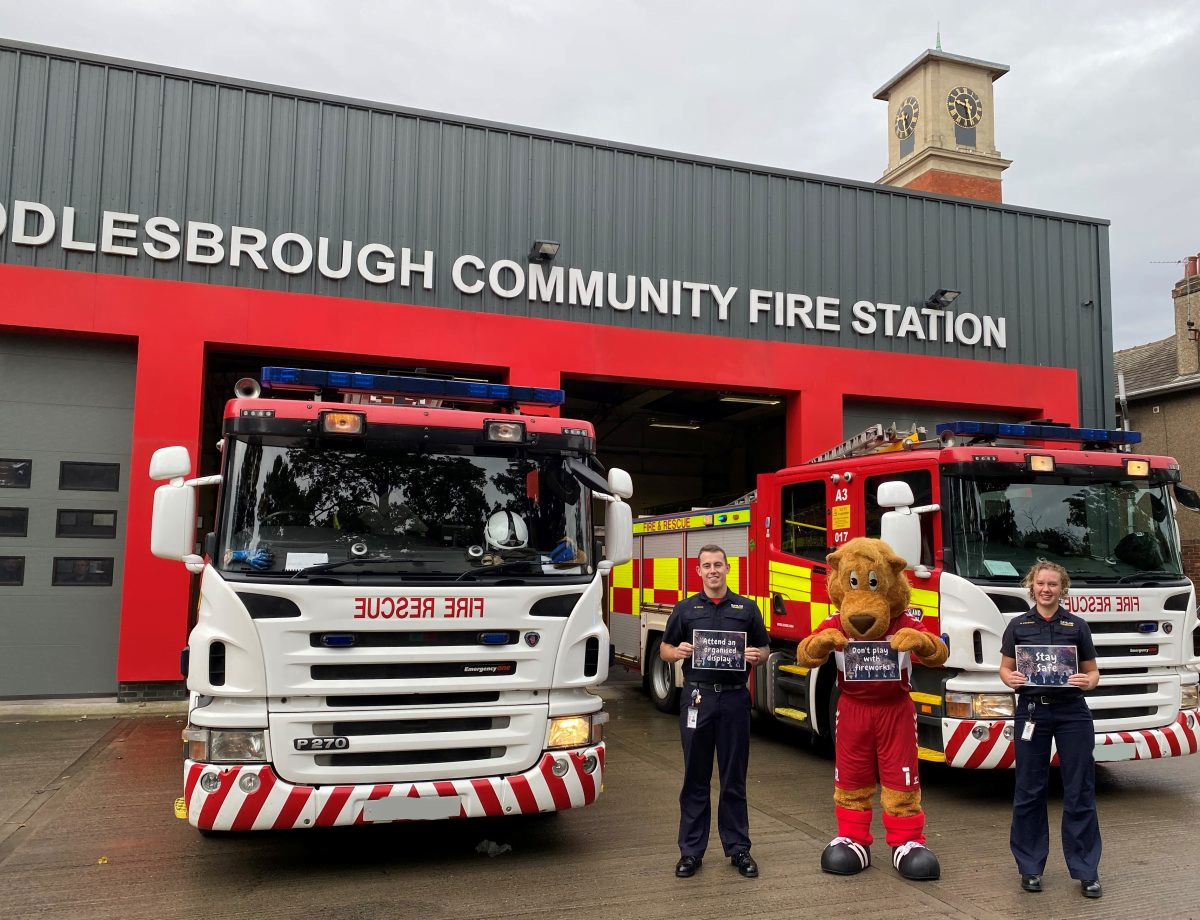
point(277, 805)
point(995, 751)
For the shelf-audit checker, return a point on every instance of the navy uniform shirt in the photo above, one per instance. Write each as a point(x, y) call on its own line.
point(732, 612)
point(1061, 629)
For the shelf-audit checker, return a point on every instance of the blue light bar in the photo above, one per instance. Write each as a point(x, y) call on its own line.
point(291, 378)
point(1039, 432)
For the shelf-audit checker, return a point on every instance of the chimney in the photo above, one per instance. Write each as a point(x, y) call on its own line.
point(1186, 295)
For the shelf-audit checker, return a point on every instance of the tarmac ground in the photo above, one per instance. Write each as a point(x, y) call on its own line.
point(87, 830)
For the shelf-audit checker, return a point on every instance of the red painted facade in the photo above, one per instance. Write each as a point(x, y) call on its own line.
point(174, 325)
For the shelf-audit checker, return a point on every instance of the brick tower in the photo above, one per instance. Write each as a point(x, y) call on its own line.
point(942, 135)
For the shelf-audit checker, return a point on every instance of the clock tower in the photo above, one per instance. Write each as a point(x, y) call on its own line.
point(942, 133)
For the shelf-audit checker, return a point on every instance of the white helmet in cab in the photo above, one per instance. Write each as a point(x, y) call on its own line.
point(506, 530)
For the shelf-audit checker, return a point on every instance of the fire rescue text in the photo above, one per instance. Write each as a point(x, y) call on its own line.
point(418, 608)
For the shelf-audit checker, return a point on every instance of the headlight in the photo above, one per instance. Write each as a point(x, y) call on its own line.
point(994, 705)
point(576, 731)
point(1189, 697)
point(207, 745)
point(979, 705)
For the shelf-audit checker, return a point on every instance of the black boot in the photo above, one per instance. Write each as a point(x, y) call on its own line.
point(916, 861)
point(844, 856)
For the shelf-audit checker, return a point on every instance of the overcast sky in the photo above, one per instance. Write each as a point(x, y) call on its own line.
point(1100, 113)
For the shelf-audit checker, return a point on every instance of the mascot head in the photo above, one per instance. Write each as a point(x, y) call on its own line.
point(868, 586)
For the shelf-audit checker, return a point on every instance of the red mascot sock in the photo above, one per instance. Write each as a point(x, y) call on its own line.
point(854, 824)
point(902, 829)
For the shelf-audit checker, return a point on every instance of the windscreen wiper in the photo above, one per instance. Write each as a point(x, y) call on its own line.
point(513, 566)
point(1148, 575)
point(363, 560)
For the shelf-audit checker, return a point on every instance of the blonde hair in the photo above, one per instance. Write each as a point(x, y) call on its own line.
point(1038, 566)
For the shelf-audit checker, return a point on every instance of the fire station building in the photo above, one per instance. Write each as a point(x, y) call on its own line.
point(163, 234)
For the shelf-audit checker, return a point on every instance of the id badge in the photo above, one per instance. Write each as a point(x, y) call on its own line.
point(1027, 732)
point(692, 715)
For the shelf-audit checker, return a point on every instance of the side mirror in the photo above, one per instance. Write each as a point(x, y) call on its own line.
point(170, 463)
point(620, 483)
point(172, 529)
point(901, 530)
point(618, 533)
point(894, 494)
point(1187, 496)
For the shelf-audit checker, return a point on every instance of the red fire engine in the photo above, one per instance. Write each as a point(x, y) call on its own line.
point(978, 506)
point(400, 604)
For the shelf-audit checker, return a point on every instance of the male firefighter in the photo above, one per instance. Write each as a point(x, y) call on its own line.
point(714, 712)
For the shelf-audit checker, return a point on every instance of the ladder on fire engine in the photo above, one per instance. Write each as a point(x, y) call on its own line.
point(874, 440)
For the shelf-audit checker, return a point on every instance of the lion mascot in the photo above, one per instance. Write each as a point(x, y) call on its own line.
point(876, 739)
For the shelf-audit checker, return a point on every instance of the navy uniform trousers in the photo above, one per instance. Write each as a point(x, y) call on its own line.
point(1069, 724)
point(723, 725)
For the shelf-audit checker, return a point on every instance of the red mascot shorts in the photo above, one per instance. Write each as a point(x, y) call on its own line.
point(876, 742)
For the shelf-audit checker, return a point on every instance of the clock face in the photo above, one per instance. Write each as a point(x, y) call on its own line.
point(906, 117)
point(964, 107)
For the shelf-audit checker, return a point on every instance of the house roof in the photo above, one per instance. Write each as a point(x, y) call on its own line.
point(1151, 367)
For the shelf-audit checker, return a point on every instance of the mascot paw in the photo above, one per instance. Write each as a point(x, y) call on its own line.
point(910, 640)
point(915, 861)
point(844, 856)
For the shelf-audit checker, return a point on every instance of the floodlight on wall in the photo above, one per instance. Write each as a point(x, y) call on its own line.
point(680, 425)
point(942, 298)
point(543, 250)
point(752, 400)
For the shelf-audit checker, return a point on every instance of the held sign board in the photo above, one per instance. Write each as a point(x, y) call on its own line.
point(1047, 665)
point(719, 649)
point(871, 661)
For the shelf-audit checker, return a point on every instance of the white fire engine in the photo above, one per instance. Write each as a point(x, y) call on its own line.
point(400, 605)
point(971, 510)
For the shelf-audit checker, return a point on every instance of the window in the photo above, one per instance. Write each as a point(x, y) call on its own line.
point(12, 570)
point(75, 571)
point(921, 483)
point(804, 530)
point(14, 522)
point(89, 477)
point(87, 524)
point(14, 474)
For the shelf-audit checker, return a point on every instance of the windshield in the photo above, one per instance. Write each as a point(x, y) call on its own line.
point(1095, 530)
point(296, 507)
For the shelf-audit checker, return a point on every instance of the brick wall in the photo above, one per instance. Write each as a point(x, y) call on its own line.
point(941, 182)
point(145, 691)
point(1191, 559)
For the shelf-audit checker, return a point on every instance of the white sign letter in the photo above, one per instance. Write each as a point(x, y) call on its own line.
point(864, 317)
point(590, 294)
point(162, 230)
point(508, 293)
point(206, 237)
point(384, 270)
point(760, 302)
point(68, 234)
point(21, 212)
point(543, 288)
point(112, 228)
point(323, 265)
point(306, 253)
point(424, 269)
point(467, 287)
point(722, 300)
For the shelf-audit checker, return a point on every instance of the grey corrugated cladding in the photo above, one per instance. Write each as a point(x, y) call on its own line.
point(99, 134)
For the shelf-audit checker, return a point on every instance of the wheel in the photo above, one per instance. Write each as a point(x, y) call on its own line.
point(660, 679)
point(827, 700)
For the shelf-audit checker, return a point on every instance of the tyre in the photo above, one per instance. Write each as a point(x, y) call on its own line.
point(827, 700)
point(660, 679)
